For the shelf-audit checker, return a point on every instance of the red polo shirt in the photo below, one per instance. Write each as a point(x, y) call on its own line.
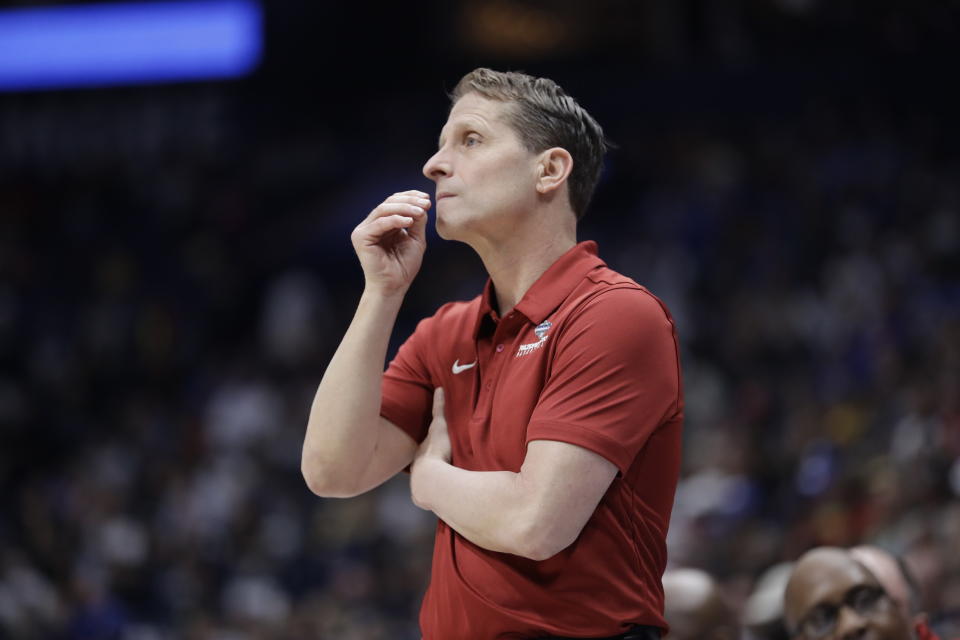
point(588, 357)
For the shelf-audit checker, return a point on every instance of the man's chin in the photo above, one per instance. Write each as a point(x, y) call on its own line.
point(447, 230)
point(443, 229)
point(458, 228)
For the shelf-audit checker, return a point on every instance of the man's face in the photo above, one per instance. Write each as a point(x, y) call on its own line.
point(485, 177)
point(831, 596)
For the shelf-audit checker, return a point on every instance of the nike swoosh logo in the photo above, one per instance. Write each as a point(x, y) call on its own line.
point(460, 368)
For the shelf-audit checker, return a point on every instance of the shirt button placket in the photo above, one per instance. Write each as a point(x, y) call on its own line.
point(488, 384)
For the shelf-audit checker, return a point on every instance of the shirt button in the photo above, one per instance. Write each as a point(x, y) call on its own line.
point(499, 348)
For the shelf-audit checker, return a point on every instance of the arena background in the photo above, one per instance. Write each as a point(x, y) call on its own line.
point(176, 271)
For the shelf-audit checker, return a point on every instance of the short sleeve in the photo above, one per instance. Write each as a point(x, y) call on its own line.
point(615, 377)
point(407, 390)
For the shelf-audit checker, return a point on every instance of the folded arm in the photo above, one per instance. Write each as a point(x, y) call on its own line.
point(535, 513)
point(615, 378)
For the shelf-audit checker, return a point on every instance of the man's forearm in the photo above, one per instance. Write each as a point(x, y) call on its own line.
point(343, 424)
point(489, 508)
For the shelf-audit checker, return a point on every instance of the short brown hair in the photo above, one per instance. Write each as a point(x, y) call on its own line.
point(544, 116)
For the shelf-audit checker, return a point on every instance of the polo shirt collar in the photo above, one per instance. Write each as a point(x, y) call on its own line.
point(551, 288)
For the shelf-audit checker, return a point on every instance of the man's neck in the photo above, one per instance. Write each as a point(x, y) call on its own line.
point(515, 263)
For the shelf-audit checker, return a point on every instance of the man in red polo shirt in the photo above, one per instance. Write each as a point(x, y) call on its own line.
point(541, 421)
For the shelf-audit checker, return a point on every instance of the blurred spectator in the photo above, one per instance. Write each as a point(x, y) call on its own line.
point(694, 607)
point(831, 595)
point(892, 574)
point(762, 616)
point(899, 583)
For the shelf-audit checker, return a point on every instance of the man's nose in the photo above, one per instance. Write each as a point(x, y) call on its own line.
point(850, 625)
point(436, 167)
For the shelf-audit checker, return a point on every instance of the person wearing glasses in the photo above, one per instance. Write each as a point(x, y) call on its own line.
point(831, 595)
point(896, 577)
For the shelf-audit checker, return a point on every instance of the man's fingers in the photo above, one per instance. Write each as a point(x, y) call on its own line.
point(391, 208)
point(408, 201)
point(411, 192)
point(438, 403)
point(418, 229)
point(376, 229)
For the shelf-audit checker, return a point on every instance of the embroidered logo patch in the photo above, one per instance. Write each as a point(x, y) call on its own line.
point(542, 328)
point(541, 332)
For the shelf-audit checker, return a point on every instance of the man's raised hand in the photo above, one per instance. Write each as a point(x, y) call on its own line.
point(391, 240)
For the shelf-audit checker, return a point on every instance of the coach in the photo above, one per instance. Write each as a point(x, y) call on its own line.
point(540, 421)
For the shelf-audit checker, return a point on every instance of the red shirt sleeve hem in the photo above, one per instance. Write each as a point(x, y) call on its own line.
point(585, 437)
point(409, 420)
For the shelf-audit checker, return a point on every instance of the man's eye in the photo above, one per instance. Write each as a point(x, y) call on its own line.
point(820, 620)
point(470, 141)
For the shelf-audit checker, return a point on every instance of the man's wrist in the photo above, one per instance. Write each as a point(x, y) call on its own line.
point(421, 470)
point(382, 297)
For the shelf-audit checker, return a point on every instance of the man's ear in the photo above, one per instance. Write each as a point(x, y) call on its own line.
point(555, 166)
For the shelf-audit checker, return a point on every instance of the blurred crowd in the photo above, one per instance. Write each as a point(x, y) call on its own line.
point(818, 295)
point(167, 312)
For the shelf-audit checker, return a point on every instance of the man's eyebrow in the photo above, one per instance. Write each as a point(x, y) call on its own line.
point(471, 124)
